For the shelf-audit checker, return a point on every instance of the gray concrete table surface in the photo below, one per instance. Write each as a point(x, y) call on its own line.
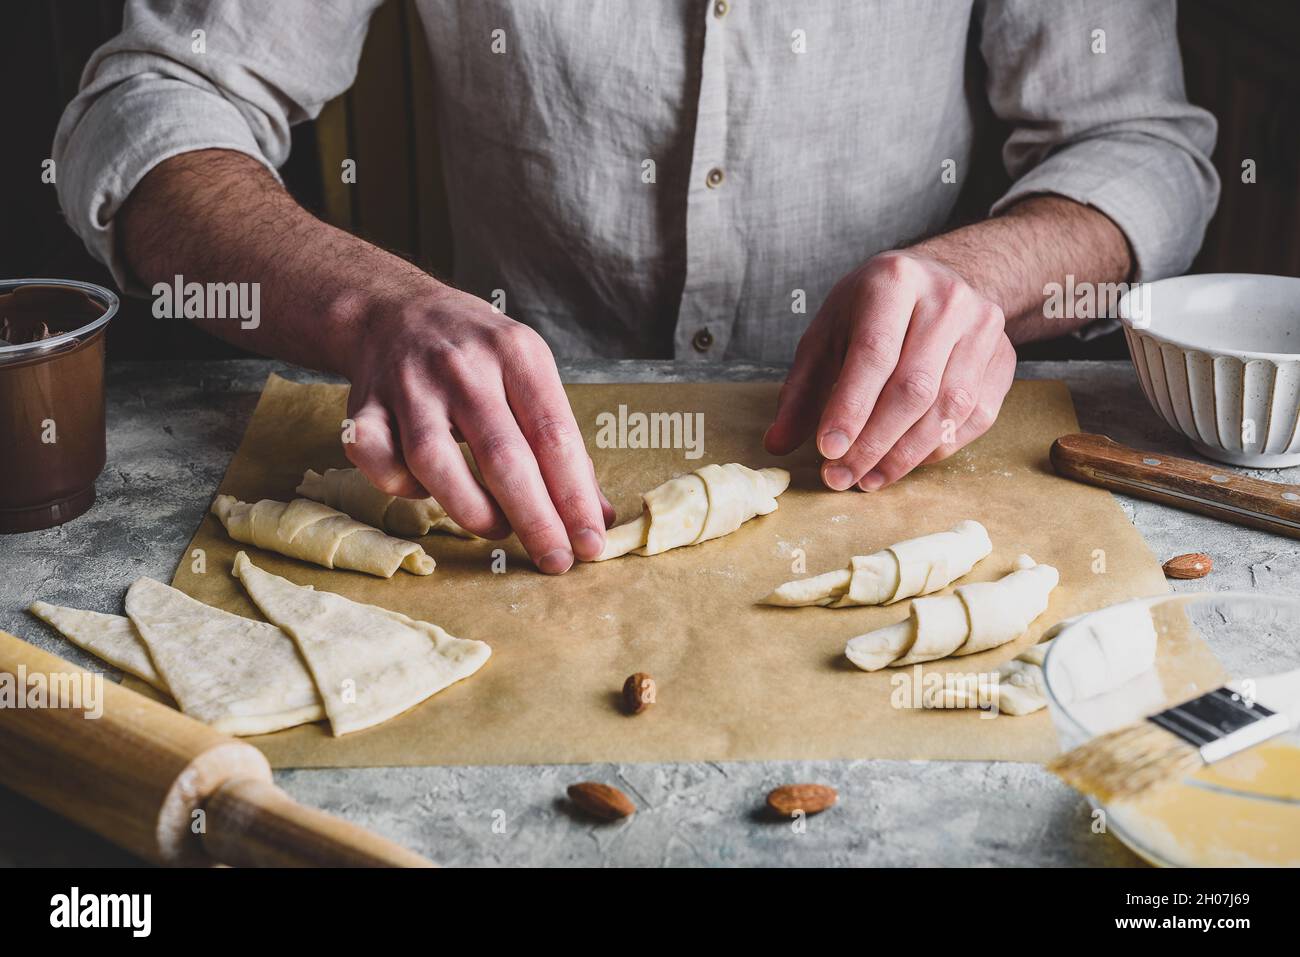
point(172, 428)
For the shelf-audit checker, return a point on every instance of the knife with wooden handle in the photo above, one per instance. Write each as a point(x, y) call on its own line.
point(160, 784)
point(1183, 483)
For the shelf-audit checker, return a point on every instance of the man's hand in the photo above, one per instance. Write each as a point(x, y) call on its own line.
point(908, 359)
point(426, 373)
point(905, 363)
point(427, 363)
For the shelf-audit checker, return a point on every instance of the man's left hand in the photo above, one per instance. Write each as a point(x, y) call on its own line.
point(904, 364)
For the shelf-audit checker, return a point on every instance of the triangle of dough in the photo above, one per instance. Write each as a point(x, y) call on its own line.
point(369, 663)
point(239, 675)
point(111, 638)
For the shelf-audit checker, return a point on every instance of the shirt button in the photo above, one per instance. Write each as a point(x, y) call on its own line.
point(720, 8)
point(714, 179)
point(703, 341)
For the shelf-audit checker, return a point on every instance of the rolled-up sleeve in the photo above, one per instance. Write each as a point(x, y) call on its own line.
point(1093, 91)
point(192, 75)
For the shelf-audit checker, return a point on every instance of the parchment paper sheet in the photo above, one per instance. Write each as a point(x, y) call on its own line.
point(737, 681)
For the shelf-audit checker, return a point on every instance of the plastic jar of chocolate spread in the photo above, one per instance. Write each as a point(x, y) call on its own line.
point(51, 399)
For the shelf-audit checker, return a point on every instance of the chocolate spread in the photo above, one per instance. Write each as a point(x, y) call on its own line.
point(51, 401)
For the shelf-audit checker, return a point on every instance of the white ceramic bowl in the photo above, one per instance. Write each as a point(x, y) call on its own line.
point(1218, 357)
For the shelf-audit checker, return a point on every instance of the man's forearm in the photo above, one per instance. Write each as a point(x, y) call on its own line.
point(220, 216)
point(1012, 257)
point(428, 365)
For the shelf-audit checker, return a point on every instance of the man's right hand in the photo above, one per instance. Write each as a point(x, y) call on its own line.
point(427, 363)
point(426, 373)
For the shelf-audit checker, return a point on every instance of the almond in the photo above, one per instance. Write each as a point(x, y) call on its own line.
point(638, 692)
point(808, 798)
point(1191, 565)
point(601, 800)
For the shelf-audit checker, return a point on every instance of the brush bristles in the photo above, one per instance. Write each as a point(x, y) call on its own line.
point(1128, 763)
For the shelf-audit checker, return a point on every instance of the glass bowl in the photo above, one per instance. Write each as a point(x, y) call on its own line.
point(1243, 811)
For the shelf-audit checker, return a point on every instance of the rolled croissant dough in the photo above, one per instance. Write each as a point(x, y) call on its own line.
point(974, 618)
point(369, 663)
point(917, 566)
point(349, 491)
point(319, 534)
point(708, 503)
point(1020, 688)
point(1096, 652)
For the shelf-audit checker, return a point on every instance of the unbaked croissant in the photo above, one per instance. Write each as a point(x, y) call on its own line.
point(917, 566)
point(1098, 652)
point(708, 503)
point(1019, 689)
point(317, 533)
point(975, 617)
point(349, 491)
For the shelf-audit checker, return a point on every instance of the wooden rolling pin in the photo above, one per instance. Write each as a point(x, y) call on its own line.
point(1195, 486)
point(164, 786)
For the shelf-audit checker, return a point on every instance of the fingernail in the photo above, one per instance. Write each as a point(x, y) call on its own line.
point(586, 544)
point(556, 562)
point(838, 477)
point(834, 444)
point(871, 481)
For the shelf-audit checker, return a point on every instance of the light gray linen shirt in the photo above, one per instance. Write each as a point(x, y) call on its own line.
point(789, 141)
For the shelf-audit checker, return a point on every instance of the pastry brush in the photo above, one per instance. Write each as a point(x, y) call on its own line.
point(1140, 758)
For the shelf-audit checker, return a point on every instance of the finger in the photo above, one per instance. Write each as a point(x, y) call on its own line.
point(374, 448)
point(541, 408)
point(436, 460)
point(883, 313)
point(915, 383)
point(997, 382)
point(959, 393)
point(606, 509)
point(907, 395)
point(802, 394)
point(511, 472)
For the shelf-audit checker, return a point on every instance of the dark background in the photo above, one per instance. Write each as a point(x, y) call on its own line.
point(1241, 60)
